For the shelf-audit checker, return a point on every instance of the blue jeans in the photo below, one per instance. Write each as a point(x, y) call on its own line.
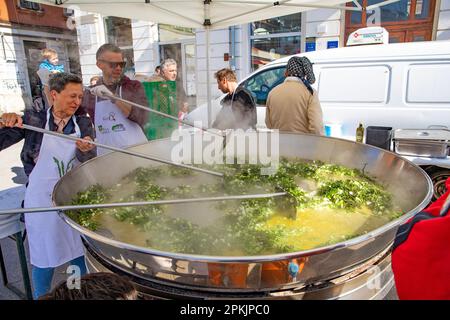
point(42, 277)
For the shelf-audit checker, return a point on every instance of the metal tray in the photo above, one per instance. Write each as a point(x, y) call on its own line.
point(432, 143)
point(421, 148)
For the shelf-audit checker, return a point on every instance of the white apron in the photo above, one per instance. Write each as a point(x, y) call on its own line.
point(52, 242)
point(113, 128)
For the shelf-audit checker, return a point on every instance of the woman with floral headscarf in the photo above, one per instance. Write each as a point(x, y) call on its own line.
point(294, 105)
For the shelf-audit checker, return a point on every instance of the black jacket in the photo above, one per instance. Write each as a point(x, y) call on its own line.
point(33, 139)
point(243, 111)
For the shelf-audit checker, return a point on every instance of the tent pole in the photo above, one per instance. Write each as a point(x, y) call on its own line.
point(207, 25)
point(208, 80)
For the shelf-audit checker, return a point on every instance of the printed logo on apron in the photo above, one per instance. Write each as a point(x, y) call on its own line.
point(110, 117)
point(62, 170)
point(113, 128)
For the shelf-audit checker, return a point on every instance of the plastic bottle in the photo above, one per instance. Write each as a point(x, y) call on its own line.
point(360, 133)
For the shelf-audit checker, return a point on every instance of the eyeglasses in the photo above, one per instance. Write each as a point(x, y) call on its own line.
point(113, 65)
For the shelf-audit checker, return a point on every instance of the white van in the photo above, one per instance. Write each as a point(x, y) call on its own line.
point(403, 85)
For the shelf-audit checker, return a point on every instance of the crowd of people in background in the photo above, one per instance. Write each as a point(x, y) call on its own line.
point(292, 106)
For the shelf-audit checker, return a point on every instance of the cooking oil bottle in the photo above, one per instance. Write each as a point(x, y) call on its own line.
point(360, 133)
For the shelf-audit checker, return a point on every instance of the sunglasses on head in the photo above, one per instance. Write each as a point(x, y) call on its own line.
point(113, 65)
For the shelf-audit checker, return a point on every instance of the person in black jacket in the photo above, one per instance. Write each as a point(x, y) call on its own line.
point(238, 107)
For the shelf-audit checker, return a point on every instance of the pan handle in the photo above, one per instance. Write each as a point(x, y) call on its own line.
point(435, 126)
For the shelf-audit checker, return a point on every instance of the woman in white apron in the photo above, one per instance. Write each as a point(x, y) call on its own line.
point(113, 128)
point(52, 242)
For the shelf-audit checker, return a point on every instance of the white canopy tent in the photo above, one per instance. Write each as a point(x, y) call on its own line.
point(208, 14)
point(214, 14)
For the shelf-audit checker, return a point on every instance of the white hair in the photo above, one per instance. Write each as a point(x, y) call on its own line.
point(168, 62)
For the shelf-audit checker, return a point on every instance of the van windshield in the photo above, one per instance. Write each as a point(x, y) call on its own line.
point(261, 83)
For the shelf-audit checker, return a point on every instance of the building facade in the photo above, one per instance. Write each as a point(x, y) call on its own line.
point(25, 29)
point(245, 48)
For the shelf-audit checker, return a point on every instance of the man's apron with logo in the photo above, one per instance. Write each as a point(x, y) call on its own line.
point(113, 128)
point(52, 242)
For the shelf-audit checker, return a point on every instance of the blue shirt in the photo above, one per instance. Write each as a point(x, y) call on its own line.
point(51, 67)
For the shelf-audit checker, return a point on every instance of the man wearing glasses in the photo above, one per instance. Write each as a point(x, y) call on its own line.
point(117, 123)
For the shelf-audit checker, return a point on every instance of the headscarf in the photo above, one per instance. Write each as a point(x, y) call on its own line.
point(302, 68)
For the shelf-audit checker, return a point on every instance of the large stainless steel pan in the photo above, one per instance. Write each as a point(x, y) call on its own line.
point(410, 186)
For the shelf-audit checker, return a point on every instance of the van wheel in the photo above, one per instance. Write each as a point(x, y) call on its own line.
point(439, 177)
